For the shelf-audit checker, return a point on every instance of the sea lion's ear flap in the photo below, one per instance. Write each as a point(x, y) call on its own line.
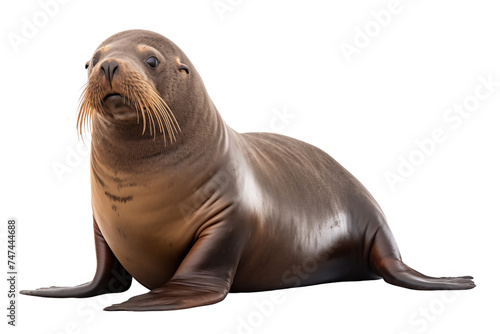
point(184, 67)
point(87, 65)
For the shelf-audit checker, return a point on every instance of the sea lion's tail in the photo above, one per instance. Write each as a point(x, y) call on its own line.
point(386, 261)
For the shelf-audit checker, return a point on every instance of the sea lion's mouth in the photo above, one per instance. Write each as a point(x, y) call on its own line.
point(118, 107)
point(111, 95)
point(115, 99)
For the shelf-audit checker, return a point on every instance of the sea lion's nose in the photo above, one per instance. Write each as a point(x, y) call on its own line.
point(109, 69)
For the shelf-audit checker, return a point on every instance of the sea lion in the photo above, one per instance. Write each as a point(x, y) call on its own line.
point(194, 210)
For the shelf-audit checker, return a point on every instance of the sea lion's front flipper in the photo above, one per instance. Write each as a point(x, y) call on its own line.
point(110, 276)
point(204, 276)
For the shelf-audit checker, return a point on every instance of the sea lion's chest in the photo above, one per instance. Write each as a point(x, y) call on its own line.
point(143, 225)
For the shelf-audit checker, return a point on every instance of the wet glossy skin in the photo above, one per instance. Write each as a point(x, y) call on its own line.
point(218, 211)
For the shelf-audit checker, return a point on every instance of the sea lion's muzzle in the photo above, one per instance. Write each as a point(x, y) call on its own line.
point(115, 104)
point(119, 89)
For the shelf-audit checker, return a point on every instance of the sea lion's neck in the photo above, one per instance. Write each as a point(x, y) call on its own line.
point(122, 147)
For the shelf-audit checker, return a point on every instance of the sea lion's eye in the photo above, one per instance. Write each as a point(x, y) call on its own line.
point(184, 67)
point(152, 62)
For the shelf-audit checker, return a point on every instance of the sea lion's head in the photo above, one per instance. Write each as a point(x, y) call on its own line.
point(138, 76)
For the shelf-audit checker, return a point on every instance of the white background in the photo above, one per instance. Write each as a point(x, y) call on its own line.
point(258, 57)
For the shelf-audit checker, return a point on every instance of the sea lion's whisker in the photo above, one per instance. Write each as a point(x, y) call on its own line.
point(141, 108)
point(167, 116)
point(161, 116)
point(145, 109)
point(81, 111)
point(155, 107)
point(172, 114)
point(128, 92)
point(84, 111)
point(168, 124)
point(151, 124)
point(162, 127)
point(154, 110)
point(158, 119)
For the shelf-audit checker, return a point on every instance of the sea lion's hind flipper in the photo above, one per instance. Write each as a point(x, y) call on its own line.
point(386, 261)
point(110, 276)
